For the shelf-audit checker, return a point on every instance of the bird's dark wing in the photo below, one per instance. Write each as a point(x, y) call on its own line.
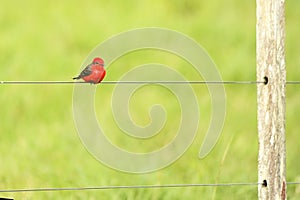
point(87, 71)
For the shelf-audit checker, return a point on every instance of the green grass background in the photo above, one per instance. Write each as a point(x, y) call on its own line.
point(49, 40)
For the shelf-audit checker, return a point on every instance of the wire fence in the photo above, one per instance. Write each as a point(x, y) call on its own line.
point(114, 187)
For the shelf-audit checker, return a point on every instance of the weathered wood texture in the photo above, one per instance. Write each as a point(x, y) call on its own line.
point(270, 41)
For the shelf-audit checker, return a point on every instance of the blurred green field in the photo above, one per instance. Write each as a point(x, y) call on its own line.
point(49, 40)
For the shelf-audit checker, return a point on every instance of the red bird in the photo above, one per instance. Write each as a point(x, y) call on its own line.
point(94, 72)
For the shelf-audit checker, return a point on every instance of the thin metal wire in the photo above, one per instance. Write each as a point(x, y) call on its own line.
point(293, 82)
point(130, 82)
point(114, 187)
point(39, 82)
point(182, 82)
point(143, 82)
point(127, 187)
point(293, 183)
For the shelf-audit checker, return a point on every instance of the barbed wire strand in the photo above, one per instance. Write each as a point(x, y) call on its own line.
point(126, 187)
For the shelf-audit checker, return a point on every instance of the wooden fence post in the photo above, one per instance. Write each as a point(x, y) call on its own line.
point(270, 41)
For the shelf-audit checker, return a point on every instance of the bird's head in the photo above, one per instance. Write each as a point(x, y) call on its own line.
point(98, 61)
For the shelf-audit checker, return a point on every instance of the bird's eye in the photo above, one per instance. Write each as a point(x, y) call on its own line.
point(97, 63)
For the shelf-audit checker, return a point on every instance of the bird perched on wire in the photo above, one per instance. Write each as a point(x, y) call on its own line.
point(94, 72)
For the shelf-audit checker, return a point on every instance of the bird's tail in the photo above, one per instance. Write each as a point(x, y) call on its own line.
point(76, 78)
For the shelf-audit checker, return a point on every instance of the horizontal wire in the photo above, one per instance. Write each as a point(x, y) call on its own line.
point(181, 82)
point(131, 82)
point(126, 187)
point(40, 82)
point(292, 82)
point(142, 82)
point(112, 187)
point(293, 183)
